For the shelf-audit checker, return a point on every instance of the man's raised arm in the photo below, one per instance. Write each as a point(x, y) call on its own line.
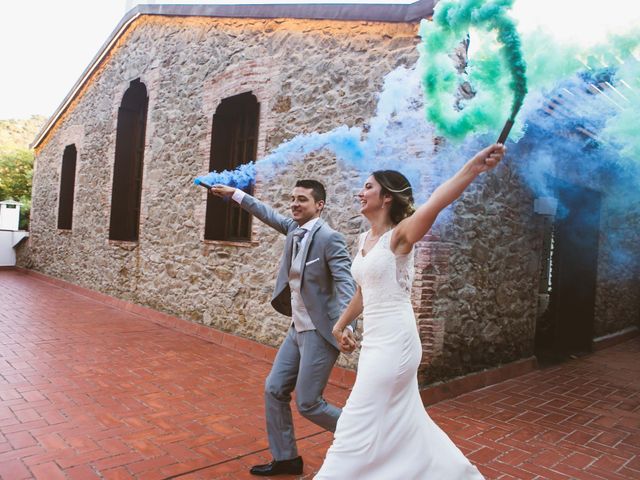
point(255, 207)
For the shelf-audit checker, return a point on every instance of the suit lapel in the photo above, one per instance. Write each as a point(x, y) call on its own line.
point(288, 249)
point(307, 244)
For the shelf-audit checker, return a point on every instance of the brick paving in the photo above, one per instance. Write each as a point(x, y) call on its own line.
point(91, 391)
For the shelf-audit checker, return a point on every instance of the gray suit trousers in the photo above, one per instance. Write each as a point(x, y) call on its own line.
point(303, 363)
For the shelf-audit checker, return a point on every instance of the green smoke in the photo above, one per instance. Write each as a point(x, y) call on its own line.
point(621, 130)
point(548, 62)
point(491, 76)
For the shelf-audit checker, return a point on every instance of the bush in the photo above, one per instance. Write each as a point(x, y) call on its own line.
point(16, 172)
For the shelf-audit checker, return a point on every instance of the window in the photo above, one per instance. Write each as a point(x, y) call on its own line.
point(67, 186)
point(233, 142)
point(127, 171)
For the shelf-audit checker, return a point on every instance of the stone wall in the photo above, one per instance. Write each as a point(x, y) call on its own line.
point(617, 301)
point(306, 75)
point(484, 264)
point(475, 288)
point(618, 291)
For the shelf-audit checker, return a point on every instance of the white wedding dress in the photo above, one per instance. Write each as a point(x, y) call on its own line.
point(384, 432)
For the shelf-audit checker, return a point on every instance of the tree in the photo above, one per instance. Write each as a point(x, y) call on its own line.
point(16, 171)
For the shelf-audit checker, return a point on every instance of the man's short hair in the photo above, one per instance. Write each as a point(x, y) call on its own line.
point(318, 191)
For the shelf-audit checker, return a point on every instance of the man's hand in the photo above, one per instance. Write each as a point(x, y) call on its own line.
point(222, 191)
point(346, 340)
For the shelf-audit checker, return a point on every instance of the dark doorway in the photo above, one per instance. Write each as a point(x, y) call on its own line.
point(566, 327)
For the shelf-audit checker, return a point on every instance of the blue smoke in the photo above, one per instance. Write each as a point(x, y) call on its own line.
point(397, 137)
point(569, 146)
point(580, 127)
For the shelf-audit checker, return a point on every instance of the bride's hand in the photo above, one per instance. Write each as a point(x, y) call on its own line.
point(487, 158)
point(346, 340)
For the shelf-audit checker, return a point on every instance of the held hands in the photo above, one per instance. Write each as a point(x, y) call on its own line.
point(222, 191)
point(487, 159)
point(346, 339)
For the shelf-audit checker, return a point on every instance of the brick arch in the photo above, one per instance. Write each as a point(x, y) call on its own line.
point(235, 129)
point(255, 77)
point(128, 166)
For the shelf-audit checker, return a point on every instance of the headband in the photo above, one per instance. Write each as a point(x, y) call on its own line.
point(399, 191)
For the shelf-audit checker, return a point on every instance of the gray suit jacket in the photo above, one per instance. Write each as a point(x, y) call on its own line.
point(326, 285)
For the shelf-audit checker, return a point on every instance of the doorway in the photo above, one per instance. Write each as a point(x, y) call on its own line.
point(566, 327)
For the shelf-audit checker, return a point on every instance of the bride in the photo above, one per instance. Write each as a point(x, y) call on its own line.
point(384, 432)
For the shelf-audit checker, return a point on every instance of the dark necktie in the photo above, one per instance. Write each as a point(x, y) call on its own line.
point(298, 235)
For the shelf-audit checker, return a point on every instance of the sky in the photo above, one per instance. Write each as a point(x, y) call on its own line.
point(47, 44)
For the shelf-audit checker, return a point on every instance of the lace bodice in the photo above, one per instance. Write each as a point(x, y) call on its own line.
point(382, 275)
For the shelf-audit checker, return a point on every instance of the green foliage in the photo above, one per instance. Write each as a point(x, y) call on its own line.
point(16, 170)
point(16, 162)
point(25, 215)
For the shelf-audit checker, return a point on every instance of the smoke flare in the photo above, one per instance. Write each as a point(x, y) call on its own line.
point(451, 24)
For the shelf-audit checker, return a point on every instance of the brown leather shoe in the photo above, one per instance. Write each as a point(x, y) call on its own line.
point(279, 467)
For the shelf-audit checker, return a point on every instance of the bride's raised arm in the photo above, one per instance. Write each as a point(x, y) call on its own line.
point(413, 228)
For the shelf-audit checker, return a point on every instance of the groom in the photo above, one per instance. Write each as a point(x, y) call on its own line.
point(314, 286)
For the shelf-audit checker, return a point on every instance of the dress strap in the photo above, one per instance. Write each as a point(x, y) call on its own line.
point(385, 240)
point(363, 237)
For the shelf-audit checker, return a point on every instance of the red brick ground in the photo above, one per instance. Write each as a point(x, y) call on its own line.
point(91, 391)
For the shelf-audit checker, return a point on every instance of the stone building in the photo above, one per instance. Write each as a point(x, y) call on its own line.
point(177, 91)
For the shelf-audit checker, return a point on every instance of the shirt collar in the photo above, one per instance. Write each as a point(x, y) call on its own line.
point(309, 225)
